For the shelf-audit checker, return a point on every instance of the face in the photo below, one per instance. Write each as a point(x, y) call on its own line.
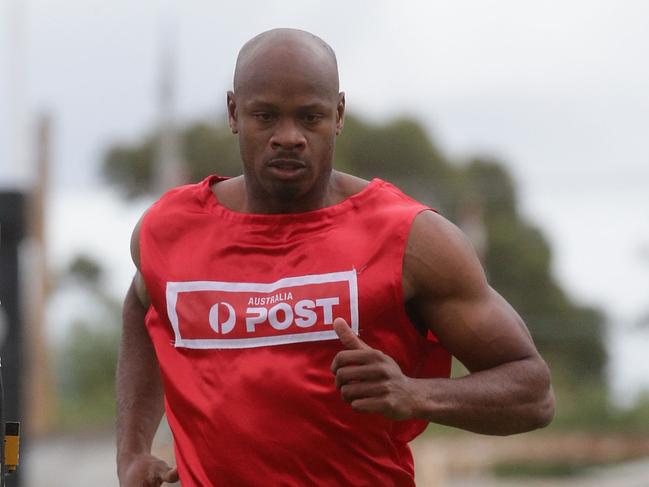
point(287, 115)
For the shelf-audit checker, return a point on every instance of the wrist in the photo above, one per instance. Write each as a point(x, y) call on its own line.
point(127, 457)
point(419, 400)
point(132, 442)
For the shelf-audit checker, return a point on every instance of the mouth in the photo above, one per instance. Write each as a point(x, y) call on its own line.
point(286, 168)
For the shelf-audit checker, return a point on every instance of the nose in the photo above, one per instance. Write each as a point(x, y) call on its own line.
point(287, 136)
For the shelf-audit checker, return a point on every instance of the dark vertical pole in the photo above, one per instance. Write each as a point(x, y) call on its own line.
point(12, 231)
point(3, 468)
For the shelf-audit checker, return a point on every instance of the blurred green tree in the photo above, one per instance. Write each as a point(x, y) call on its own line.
point(87, 359)
point(85, 270)
point(87, 365)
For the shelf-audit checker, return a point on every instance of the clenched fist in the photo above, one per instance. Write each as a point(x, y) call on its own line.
point(371, 381)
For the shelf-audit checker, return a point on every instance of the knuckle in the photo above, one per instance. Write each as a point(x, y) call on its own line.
point(376, 354)
point(358, 407)
point(343, 377)
point(335, 363)
point(346, 393)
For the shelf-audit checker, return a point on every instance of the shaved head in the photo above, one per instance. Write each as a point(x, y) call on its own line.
point(290, 51)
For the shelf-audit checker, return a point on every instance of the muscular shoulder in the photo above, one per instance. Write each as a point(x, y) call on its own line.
point(439, 261)
point(138, 280)
point(135, 242)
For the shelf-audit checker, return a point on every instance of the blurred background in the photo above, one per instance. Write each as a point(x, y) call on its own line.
point(524, 123)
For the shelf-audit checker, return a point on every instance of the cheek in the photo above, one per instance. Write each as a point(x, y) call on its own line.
point(323, 139)
point(251, 143)
point(326, 144)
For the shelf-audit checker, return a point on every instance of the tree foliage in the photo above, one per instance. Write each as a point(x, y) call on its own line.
point(518, 258)
point(86, 360)
point(87, 365)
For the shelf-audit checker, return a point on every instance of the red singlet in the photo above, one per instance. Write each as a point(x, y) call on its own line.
point(241, 321)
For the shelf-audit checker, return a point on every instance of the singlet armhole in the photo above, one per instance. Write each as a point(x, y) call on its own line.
point(404, 236)
point(142, 242)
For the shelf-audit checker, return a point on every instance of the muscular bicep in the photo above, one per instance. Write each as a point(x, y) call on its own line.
point(446, 291)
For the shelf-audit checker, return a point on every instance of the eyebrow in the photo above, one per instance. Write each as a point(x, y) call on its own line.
point(314, 106)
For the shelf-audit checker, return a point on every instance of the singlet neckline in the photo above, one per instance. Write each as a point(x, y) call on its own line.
point(215, 206)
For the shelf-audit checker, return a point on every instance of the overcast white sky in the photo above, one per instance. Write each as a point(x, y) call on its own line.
point(559, 90)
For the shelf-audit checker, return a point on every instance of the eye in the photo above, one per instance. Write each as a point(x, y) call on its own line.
point(312, 117)
point(263, 116)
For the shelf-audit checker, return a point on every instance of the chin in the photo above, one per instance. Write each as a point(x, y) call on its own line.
point(287, 191)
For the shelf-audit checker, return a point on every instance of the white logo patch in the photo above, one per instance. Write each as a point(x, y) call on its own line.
point(217, 314)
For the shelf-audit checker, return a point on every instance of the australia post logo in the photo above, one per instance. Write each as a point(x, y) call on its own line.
point(215, 314)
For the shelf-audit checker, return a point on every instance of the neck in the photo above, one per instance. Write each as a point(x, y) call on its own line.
point(285, 200)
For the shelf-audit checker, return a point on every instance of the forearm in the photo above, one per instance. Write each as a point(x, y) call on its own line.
point(511, 398)
point(138, 385)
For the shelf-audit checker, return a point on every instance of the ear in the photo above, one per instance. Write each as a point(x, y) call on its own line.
point(340, 113)
point(232, 112)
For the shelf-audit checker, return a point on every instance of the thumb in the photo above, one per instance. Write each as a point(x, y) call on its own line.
point(170, 475)
point(347, 336)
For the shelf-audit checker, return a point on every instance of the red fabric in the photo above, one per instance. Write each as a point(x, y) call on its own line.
point(245, 341)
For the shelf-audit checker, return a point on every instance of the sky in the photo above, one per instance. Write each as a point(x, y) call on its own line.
point(559, 91)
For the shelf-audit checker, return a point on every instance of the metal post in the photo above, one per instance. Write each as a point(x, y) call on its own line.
point(12, 231)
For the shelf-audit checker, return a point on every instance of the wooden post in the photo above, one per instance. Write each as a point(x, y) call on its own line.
point(39, 386)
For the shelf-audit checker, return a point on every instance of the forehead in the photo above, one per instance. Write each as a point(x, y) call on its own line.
point(286, 91)
point(290, 72)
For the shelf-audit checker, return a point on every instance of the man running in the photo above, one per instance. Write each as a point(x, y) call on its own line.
point(296, 323)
